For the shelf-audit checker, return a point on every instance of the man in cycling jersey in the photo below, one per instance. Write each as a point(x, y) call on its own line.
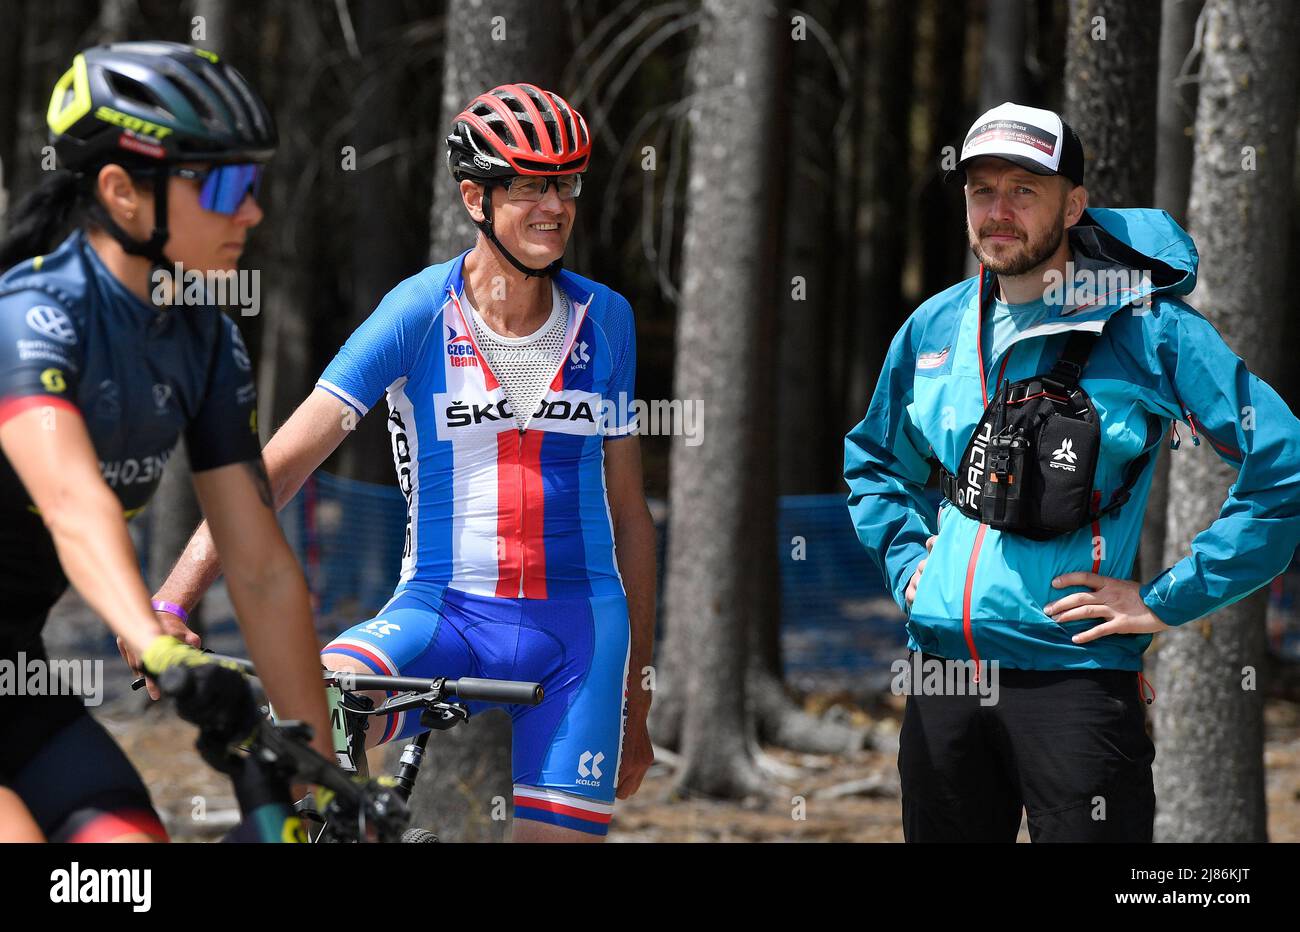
point(529, 550)
point(1065, 738)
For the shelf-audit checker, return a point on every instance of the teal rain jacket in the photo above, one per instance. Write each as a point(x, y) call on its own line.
point(982, 593)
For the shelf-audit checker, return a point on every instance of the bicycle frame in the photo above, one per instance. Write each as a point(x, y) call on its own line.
point(437, 714)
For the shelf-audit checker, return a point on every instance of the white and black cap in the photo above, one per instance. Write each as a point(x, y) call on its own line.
point(1037, 140)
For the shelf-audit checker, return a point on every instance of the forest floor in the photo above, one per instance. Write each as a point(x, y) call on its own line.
point(844, 797)
point(854, 797)
point(841, 797)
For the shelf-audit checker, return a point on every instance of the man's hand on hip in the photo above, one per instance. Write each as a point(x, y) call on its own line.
point(1117, 601)
point(916, 577)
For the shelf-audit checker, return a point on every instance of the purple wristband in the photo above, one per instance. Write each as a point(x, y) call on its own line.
point(171, 608)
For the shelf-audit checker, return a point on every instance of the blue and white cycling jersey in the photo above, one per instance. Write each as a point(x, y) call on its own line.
point(509, 569)
point(494, 510)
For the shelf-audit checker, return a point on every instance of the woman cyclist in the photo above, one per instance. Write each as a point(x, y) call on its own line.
point(529, 548)
point(162, 147)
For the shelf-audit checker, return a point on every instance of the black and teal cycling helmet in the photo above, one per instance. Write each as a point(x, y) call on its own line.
point(148, 105)
point(157, 100)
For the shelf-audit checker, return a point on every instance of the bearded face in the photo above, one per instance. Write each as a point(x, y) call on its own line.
point(1015, 220)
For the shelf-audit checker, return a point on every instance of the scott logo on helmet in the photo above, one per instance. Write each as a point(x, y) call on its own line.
point(133, 123)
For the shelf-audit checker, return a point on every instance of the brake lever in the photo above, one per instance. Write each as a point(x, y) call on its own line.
point(403, 703)
point(442, 716)
point(138, 682)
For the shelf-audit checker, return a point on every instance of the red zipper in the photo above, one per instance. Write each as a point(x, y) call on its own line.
point(1143, 685)
point(1221, 447)
point(965, 599)
point(1096, 530)
point(1196, 440)
point(979, 535)
point(523, 512)
point(578, 315)
point(1020, 401)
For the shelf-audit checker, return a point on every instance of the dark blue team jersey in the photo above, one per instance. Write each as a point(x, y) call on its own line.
point(72, 335)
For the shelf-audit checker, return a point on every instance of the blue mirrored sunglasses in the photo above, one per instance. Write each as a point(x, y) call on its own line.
point(224, 186)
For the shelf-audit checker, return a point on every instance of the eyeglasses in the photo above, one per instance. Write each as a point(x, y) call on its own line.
point(534, 187)
point(224, 186)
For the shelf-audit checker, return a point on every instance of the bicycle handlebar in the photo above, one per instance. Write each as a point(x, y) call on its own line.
point(469, 688)
point(512, 692)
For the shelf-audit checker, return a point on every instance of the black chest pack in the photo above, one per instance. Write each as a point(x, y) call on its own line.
point(1031, 463)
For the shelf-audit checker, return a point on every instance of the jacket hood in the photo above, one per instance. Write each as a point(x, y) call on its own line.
point(1120, 257)
point(1140, 239)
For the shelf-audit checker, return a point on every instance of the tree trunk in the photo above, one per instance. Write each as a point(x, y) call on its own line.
point(11, 71)
point(218, 34)
point(1110, 99)
point(789, 458)
point(1003, 77)
point(292, 40)
point(882, 242)
point(809, 249)
point(1209, 771)
point(115, 20)
point(380, 252)
point(942, 211)
point(528, 43)
point(379, 259)
point(1047, 52)
point(1288, 383)
point(1175, 107)
point(1002, 72)
point(1175, 121)
point(52, 32)
point(763, 441)
point(708, 574)
point(467, 770)
point(843, 358)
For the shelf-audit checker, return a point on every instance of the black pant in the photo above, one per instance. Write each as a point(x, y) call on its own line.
point(78, 777)
point(1069, 746)
point(62, 763)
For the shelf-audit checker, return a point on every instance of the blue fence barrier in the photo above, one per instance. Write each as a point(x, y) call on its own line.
point(838, 620)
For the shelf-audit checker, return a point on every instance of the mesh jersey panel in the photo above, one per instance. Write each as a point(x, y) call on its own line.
point(525, 365)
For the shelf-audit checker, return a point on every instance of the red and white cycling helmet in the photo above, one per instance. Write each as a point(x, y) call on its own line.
point(517, 129)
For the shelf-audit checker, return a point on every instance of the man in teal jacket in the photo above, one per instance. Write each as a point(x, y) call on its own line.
point(1059, 620)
